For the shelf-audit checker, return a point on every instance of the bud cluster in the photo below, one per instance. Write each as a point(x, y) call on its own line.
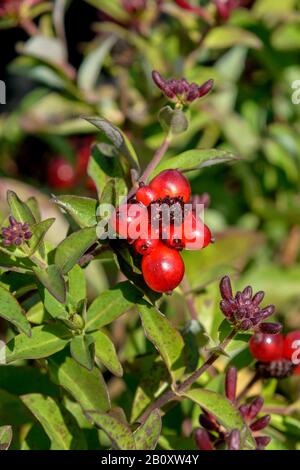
point(181, 91)
point(243, 310)
point(16, 233)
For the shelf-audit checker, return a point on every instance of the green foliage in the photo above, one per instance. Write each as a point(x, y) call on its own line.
point(87, 349)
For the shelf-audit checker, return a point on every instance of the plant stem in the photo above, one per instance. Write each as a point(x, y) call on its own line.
point(160, 152)
point(157, 157)
point(29, 27)
point(171, 395)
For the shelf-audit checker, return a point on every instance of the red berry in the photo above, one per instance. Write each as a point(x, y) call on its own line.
point(171, 183)
point(90, 184)
point(162, 268)
point(296, 371)
point(83, 152)
point(61, 174)
point(265, 347)
point(193, 234)
point(145, 195)
point(144, 246)
point(130, 221)
point(291, 348)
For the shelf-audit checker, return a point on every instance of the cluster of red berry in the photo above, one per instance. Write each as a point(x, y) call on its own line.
point(267, 348)
point(141, 222)
point(61, 174)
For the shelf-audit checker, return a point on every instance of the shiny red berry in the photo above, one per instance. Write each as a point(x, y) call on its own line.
point(61, 174)
point(291, 348)
point(144, 246)
point(296, 370)
point(193, 234)
point(265, 347)
point(145, 195)
point(162, 268)
point(130, 221)
point(171, 183)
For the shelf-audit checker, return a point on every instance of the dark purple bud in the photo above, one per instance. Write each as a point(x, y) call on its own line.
point(262, 442)
point(12, 221)
point(208, 423)
point(7, 242)
point(225, 288)
point(255, 407)
point(234, 440)
point(18, 241)
point(6, 232)
point(257, 299)
point(244, 410)
point(226, 308)
point(268, 311)
point(205, 88)
point(27, 235)
point(246, 325)
point(158, 79)
point(247, 292)
point(270, 328)
point(203, 440)
point(230, 383)
point(260, 423)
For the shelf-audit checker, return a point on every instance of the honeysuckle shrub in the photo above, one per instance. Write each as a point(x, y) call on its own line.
point(91, 357)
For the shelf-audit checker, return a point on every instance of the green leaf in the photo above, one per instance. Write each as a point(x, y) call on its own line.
point(86, 387)
point(118, 431)
point(106, 352)
point(196, 159)
point(225, 412)
point(173, 120)
point(38, 231)
point(12, 410)
point(77, 284)
point(19, 209)
point(90, 68)
point(12, 311)
point(5, 437)
point(33, 205)
point(103, 165)
point(55, 308)
point(44, 341)
point(81, 209)
point(111, 304)
point(82, 350)
point(58, 424)
point(153, 375)
point(20, 380)
point(113, 193)
point(228, 36)
point(165, 338)
point(52, 278)
point(70, 250)
point(147, 435)
point(117, 138)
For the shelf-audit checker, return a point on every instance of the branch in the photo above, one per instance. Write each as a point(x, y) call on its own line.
point(171, 395)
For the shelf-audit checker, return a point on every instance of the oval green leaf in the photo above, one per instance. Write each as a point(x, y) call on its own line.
point(70, 250)
point(11, 311)
point(86, 387)
point(225, 412)
point(44, 341)
point(147, 435)
point(106, 352)
point(111, 304)
point(165, 338)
